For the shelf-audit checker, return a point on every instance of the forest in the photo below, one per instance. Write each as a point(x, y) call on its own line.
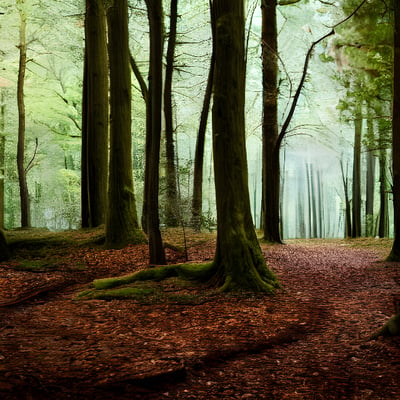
point(199, 199)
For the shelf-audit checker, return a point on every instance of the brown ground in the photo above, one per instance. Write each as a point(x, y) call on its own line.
point(311, 341)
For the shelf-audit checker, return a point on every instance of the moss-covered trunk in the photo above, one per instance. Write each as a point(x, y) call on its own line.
point(122, 226)
point(239, 260)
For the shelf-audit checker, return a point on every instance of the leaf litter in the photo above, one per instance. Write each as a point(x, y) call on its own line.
point(310, 341)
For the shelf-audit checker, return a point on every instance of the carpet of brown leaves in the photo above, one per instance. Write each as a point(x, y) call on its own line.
point(310, 341)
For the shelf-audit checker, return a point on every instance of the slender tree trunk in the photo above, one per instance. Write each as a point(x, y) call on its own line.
point(347, 202)
point(121, 222)
point(23, 185)
point(382, 225)
point(157, 255)
point(197, 200)
point(370, 177)
point(95, 117)
point(172, 203)
point(239, 261)
point(356, 189)
point(271, 162)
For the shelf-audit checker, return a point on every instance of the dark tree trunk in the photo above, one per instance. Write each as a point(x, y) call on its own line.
point(4, 249)
point(347, 202)
point(271, 148)
point(95, 117)
point(156, 249)
point(383, 184)
point(197, 200)
point(370, 180)
point(356, 188)
point(239, 261)
point(121, 221)
point(172, 211)
point(23, 185)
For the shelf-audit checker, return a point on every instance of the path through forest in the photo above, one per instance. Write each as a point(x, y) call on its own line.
point(311, 341)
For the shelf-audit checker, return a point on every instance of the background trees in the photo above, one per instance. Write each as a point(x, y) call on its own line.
point(312, 192)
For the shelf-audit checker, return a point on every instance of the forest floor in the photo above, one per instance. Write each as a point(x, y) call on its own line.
point(310, 341)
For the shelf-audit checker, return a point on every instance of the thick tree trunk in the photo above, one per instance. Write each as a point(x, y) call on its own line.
point(172, 211)
point(156, 249)
point(95, 117)
point(197, 200)
point(356, 188)
point(121, 222)
point(395, 252)
point(239, 261)
point(271, 162)
point(23, 185)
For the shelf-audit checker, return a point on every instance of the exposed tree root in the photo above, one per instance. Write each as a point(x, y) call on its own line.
point(391, 328)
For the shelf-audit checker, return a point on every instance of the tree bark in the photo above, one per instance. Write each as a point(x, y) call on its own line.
point(172, 204)
point(156, 249)
point(121, 222)
point(197, 200)
point(356, 187)
point(23, 185)
point(395, 252)
point(239, 261)
point(370, 182)
point(4, 249)
point(95, 117)
point(271, 162)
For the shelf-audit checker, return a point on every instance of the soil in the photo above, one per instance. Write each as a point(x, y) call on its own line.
point(309, 341)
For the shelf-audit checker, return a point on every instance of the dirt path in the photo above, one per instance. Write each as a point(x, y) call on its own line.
point(308, 342)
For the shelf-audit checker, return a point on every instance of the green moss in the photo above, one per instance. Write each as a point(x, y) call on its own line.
point(37, 265)
point(200, 272)
point(133, 293)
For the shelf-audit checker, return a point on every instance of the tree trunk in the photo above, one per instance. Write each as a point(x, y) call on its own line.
point(23, 185)
point(395, 252)
point(347, 202)
point(383, 185)
point(121, 222)
point(95, 117)
point(239, 261)
point(172, 211)
point(356, 189)
point(156, 249)
point(271, 162)
point(197, 200)
point(4, 249)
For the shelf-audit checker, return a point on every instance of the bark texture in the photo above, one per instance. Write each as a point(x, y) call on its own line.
point(23, 185)
point(121, 223)
point(95, 117)
point(156, 249)
point(239, 261)
point(271, 148)
point(395, 252)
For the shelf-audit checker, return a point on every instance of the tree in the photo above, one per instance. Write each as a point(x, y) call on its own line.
point(157, 254)
point(23, 185)
point(94, 160)
point(122, 226)
point(172, 204)
point(197, 198)
point(356, 187)
point(395, 251)
point(239, 263)
point(271, 164)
